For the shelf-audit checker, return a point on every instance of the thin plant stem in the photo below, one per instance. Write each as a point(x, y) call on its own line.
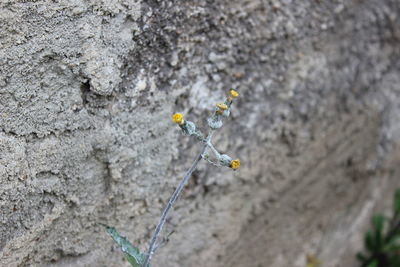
point(214, 150)
point(171, 202)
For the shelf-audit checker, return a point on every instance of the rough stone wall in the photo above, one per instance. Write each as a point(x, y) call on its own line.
point(87, 89)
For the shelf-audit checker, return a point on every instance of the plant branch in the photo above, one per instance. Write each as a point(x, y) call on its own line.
point(170, 204)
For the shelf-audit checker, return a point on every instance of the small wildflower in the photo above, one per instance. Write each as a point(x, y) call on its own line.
point(232, 95)
point(178, 118)
point(222, 107)
point(235, 164)
point(189, 129)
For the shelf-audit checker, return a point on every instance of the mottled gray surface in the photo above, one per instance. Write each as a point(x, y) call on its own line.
point(87, 89)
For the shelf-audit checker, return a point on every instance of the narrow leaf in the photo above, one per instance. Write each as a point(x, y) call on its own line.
point(378, 222)
point(373, 264)
point(369, 241)
point(397, 203)
point(131, 252)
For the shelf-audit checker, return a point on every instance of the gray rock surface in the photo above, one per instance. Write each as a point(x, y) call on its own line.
point(87, 89)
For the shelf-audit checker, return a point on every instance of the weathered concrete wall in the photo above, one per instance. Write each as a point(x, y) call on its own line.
point(87, 89)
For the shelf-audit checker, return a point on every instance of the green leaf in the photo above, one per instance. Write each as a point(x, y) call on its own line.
point(397, 203)
point(378, 222)
point(369, 241)
point(373, 264)
point(132, 253)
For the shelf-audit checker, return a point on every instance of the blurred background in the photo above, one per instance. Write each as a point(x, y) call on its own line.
point(87, 90)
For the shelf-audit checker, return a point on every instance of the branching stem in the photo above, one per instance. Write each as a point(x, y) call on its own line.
point(172, 201)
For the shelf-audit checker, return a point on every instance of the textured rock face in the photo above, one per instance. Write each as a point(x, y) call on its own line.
point(87, 89)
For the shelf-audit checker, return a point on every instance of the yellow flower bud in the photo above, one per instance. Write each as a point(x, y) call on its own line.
point(178, 118)
point(222, 106)
point(233, 93)
point(235, 164)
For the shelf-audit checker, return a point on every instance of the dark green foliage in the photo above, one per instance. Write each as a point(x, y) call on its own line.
point(397, 203)
point(132, 253)
point(382, 243)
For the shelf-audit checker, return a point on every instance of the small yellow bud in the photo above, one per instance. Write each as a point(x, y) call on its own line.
point(235, 164)
point(222, 106)
point(178, 118)
point(233, 93)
